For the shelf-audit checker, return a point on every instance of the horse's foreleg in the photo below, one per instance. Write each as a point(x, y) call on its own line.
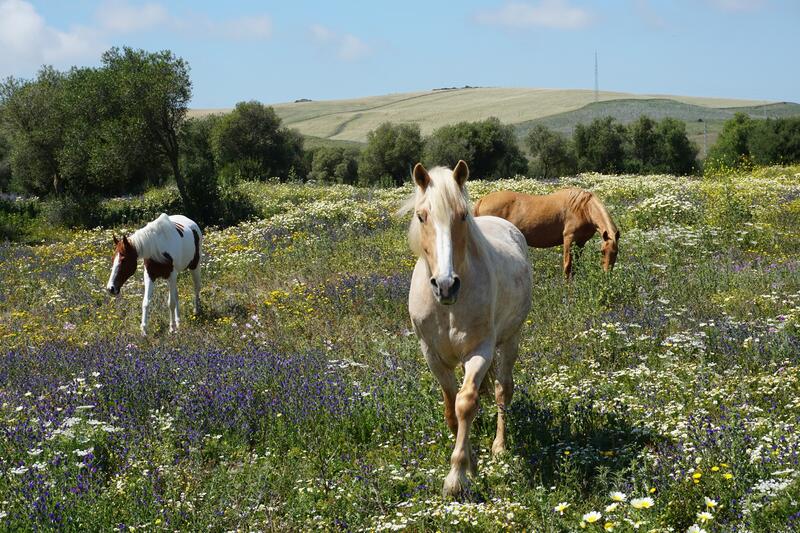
point(447, 379)
point(196, 282)
point(504, 389)
point(174, 321)
point(475, 368)
point(148, 295)
point(567, 256)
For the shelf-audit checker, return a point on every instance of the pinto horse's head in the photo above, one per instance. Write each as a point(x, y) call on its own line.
point(440, 229)
point(609, 249)
point(123, 266)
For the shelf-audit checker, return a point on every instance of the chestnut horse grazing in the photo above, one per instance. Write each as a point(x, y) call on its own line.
point(168, 245)
point(564, 217)
point(470, 293)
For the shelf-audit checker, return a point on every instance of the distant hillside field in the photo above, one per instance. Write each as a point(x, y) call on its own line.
point(351, 120)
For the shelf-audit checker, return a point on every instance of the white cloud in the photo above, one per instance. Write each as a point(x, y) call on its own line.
point(255, 27)
point(28, 41)
point(121, 17)
point(738, 5)
point(347, 46)
point(556, 14)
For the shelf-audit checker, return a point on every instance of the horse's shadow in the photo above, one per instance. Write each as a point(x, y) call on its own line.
point(573, 443)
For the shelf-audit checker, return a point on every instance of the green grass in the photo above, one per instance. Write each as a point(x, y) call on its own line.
point(298, 399)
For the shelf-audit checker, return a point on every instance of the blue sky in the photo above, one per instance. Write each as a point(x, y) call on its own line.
point(277, 51)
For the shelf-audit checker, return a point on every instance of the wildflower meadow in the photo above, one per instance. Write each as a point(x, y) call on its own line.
point(664, 396)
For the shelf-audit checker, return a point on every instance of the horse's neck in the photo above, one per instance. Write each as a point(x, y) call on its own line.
point(600, 217)
point(146, 245)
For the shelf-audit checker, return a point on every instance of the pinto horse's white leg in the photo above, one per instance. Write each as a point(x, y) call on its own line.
point(504, 389)
point(174, 321)
point(475, 368)
point(196, 281)
point(149, 285)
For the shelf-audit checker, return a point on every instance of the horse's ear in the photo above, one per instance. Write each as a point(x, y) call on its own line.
point(461, 172)
point(116, 241)
point(421, 176)
point(125, 241)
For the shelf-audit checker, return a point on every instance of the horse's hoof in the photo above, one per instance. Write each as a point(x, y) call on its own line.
point(456, 485)
point(144, 332)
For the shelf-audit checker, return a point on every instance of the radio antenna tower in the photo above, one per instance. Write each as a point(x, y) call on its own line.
point(596, 85)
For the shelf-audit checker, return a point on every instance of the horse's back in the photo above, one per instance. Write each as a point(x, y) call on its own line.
point(185, 239)
point(540, 218)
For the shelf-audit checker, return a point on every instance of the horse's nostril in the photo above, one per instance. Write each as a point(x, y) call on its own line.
point(456, 285)
point(434, 284)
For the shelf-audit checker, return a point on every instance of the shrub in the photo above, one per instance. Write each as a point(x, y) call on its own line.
point(391, 152)
point(249, 143)
point(552, 153)
point(489, 147)
point(600, 146)
point(334, 165)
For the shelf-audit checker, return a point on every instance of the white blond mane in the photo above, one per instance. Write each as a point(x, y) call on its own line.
point(149, 240)
point(443, 197)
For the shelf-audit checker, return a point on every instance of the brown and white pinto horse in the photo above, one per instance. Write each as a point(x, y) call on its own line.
point(564, 217)
point(168, 245)
point(470, 294)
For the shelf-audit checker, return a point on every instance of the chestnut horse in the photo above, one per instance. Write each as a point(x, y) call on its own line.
point(168, 245)
point(564, 217)
point(470, 293)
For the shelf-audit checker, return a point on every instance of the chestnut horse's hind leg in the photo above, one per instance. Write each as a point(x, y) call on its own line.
point(475, 368)
point(504, 389)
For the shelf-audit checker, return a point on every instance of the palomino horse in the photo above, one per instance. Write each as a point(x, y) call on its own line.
point(168, 245)
point(470, 293)
point(564, 217)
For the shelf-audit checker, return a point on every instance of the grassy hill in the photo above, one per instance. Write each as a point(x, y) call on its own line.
point(351, 120)
point(628, 110)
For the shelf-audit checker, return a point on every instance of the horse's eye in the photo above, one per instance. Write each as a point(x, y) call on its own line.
point(464, 216)
point(420, 218)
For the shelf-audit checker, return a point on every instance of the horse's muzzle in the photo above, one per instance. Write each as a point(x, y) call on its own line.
point(445, 289)
point(112, 290)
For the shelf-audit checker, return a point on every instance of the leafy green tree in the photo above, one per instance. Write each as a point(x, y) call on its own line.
point(249, 143)
point(600, 146)
point(551, 152)
point(489, 147)
point(775, 141)
point(5, 161)
point(332, 164)
point(732, 147)
point(644, 144)
point(198, 167)
point(390, 154)
point(34, 118)
point(676, 153)
point(155, 90)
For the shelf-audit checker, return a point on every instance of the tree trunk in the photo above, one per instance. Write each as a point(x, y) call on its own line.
point(182, 190)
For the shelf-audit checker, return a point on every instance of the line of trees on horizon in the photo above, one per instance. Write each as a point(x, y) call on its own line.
point(78, 136)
